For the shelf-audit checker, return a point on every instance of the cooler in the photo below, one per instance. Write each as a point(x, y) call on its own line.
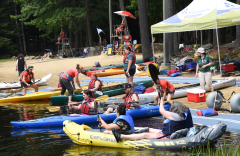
point(181, 68)
point(228, 67)
point(196, 95)
point(190, 65)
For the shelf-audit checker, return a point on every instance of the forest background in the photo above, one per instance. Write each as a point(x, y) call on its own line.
point(30, 26)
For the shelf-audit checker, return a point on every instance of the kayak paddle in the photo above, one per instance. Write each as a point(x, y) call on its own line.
point(44, 78)
point(140, 102)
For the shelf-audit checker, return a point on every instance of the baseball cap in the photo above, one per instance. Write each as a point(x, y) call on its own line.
point(30, 67)
point(127, 85)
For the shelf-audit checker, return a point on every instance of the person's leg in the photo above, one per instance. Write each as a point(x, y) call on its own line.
point(209, 81)
point(169, 98)
point(131, 73)
point(130, 80)
point(24, 91)
point(156, 97)
point(148, 135)
point(202, 80)
point(35, 87)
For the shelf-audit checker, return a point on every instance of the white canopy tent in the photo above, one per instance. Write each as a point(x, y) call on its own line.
point(201, 15)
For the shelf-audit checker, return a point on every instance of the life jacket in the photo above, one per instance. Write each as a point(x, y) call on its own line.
point(91, 84)
point(128, 97)
point(29, 77)
point(85, 109)
point(170, 126)
point(128, 119)
point(68, 76)
point(125, 58)
point(127, 40)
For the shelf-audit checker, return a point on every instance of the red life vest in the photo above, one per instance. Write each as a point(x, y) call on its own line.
point(129, 98)
point(91, 84)
point(85, 108)
point(127, 40)
point(125, 57)
point(27, 78)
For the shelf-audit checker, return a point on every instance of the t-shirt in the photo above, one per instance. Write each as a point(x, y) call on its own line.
point(124, 125)
point(176, 117)
point(206, 59)
point(165, 84)
point(25, 73)
point(129, 57)
point(71, 71)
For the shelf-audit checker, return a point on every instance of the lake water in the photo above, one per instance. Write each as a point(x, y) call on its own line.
point(53, 141)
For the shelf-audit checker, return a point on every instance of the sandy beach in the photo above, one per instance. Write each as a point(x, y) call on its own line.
point(56, 66)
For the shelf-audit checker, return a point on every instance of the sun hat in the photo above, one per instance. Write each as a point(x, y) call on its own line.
point(201, 50)
point(30, 67)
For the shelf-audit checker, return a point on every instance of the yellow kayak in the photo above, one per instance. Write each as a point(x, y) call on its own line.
point(112, 71)
point(45, 95)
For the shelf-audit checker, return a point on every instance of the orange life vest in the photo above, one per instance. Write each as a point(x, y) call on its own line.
point(128, 97)
point(27, 78)
point(91, 84)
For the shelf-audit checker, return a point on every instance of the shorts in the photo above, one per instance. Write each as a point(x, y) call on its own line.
point(131, 72)
point(23, 85)
point(169, 92)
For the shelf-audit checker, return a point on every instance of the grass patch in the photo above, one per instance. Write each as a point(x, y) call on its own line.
point(5, 60)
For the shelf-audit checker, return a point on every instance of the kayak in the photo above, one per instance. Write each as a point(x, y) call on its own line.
point(84, 135)
point(14, 84)
point(111, 66)
point(110, 91)
point(33, 96)
point(109, 72)
point(182, 91)
point(137, 113)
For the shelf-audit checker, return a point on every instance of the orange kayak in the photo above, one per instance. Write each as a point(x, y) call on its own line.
point(109, 72)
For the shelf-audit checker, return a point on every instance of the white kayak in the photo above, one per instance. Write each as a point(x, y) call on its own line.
point(182, 91)
point(13, 85)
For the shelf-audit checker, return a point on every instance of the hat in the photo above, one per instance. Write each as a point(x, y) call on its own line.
point(201, 50)
point(127, 85)
point(30, 67)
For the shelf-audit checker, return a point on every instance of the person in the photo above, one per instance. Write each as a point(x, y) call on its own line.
point(121, 28)
point(68, 76)
point(203, 66)
point(179, 117)
point(88, 105)
point(97, 64)
point(20, 64)
point(64, 55)
point(166, 88)
point(123, 122)
point(95, 84)
point(62, 36)
point(129, 65)
point(130, 96)
point(44, 56)
point(58, 88)
point(26, 78)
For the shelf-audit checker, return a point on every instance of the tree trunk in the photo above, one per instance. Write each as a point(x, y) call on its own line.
point(88, 23)
point(24, 42)
point(122, 7)
point(70, 38)
point(175, 35)
point(210, 36)
point(237, 41)
point(144, 29)
point(77, 39)
point(170, 12)
point(18, 35)
point(81, 38)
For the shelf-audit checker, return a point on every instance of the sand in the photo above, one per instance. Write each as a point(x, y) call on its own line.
point(56, 66)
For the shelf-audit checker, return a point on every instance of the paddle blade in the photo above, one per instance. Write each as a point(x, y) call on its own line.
point(53, 108)
point(153, 72)
point(47, 76)
point(103, 98)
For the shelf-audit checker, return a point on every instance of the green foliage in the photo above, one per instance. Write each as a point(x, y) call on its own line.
point(4, 60)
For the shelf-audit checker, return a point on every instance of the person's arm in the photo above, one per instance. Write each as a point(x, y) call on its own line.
point(163, 112)
point(33, 79)
point(97, 85)
point(17, 65)
point(91, 105)
point(57, 89)
point(197, 68)
point(129, 65)
point(73, 84)
point(25, 81)
point(209, 64)
point(25, 64)
point(75, 107)
point(135, 98)
point(108, 126)
point(78, 83)
point(164, 94)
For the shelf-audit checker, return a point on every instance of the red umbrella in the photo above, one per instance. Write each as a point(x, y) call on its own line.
point(125, 13)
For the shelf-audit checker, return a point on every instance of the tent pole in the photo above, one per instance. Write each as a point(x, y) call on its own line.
point(110, 20)
point(153, 49)
point(218, 43)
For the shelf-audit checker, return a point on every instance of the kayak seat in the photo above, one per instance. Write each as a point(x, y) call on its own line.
point(179, 134)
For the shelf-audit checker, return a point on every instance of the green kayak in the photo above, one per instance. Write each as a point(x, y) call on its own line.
point(110, 91)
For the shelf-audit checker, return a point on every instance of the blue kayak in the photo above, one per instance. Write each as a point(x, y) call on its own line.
point(144, 111)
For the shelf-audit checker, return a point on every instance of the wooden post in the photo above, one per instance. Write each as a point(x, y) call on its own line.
point(100, 45)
